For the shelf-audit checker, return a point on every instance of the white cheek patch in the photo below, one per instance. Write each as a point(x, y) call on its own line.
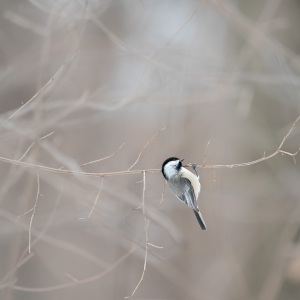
point(170, 172)
point(170, 168)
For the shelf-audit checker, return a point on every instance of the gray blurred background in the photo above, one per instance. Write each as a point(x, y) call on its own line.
point(81, 79)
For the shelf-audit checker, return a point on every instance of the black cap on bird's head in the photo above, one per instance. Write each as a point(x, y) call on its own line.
point(170, 159)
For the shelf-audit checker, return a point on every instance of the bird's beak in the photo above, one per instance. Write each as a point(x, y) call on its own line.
point(182, 160)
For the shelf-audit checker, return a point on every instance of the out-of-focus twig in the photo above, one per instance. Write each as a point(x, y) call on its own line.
point(279, 150)
point(163, 192)
point(46, 88)
point(275, 278)
point(205, 153)
point(29, 148)
point(33, 211)
point(145, 146)
point(146, 224)
point(95, 202)
point(76, 281)
point(104, 158)
point(24, 257)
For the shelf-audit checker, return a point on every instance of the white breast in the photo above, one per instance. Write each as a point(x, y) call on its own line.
point(193, 179)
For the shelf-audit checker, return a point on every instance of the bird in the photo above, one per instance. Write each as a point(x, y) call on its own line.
point(184, 184)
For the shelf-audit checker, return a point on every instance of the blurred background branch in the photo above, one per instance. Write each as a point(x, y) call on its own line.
point(97, 88)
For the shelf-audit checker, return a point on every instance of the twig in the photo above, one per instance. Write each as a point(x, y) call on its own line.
point(279, 150)
point(63, 171)
point(155, 246)
point(95, 202)
point(146, 145)
point(60, 244)
point(52, 80)
point(25, 213)
point(275, 278)
point(290, 154)
point(205, 153)
point(47, 135)
point(8, 283)
point(11, 281)
point(146, 224)
point(75, 280)
point(23, 257)
point(246, 26)
point(289, 132)
point(104, 158)
point(28, 149)
point(26, 23)
point(163, 192)
point(33, 212)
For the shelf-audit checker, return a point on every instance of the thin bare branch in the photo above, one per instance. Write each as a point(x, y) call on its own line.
point(76, 281)
point(28, 149)
point(25, 213)
point(44, 88)
point(279, 150)
point(246, 26)
point(24, 22)
point(11, 281)
point(104, 158)
point(95, 202)
point(24, 257)
point(163, 193)
point(155, 246)
point(33, 212)
point(205, 153)
point(62, 171)
point(47, 135)
point(275, 278)
point(146, 145)
point(288, 134)
point(146, 224)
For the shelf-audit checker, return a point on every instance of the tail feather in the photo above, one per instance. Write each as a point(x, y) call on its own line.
point(200, 219)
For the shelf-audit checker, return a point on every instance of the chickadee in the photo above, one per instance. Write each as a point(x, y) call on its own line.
point(184, 184)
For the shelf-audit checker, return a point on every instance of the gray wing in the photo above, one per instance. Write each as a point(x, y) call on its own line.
point(186, 193)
